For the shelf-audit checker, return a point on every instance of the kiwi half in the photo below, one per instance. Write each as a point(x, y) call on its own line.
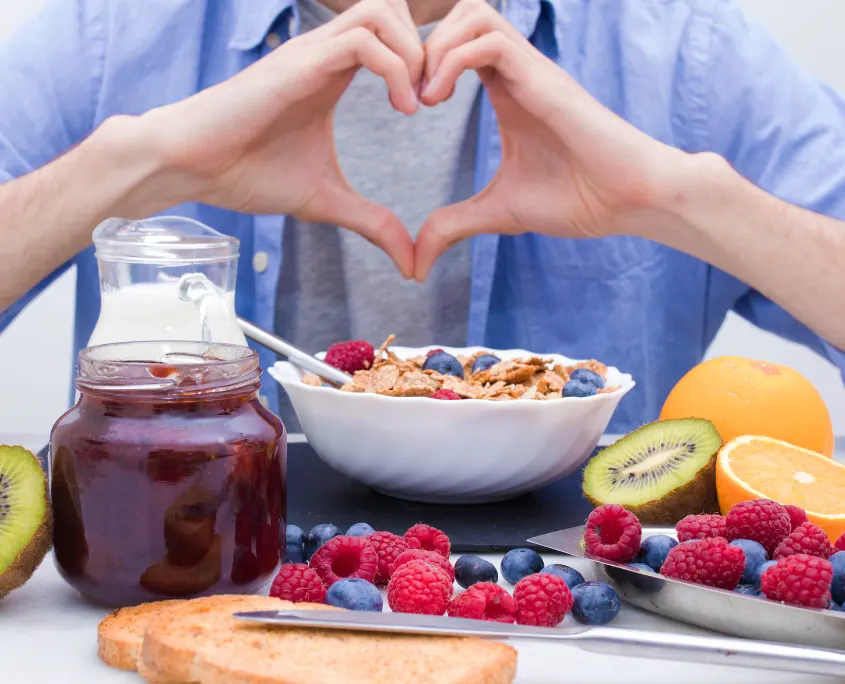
point(661, 472)
point(26, 519)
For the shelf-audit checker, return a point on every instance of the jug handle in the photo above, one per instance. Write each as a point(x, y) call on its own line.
point(196, 288)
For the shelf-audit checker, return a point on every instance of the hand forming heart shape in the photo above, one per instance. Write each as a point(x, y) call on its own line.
point(262, 142)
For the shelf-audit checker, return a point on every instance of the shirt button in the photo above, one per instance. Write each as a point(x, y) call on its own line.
point(273, 40)
point(260, 261)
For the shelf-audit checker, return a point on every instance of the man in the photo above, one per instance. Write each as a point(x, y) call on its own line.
point(669, 237)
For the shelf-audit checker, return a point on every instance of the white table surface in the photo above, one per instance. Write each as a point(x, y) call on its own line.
point(48, 635)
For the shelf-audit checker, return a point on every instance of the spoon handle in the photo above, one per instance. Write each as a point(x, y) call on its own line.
point(296, 356)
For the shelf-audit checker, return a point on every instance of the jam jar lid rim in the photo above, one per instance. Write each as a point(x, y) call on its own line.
point(247, 363)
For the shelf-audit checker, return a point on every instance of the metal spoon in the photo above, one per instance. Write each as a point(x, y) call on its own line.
point(296, 356)
point(636, 643)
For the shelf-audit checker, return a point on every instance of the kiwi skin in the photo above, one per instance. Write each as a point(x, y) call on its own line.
point(30, 557)
point(696, 497)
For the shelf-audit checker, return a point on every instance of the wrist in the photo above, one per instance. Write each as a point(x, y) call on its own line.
point(133, 176)
point(687, 189)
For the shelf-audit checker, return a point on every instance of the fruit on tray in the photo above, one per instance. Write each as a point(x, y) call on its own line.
point(519, 563)
point(613, 532)
point(26, 518)
point(746, 397)
point(755, 553)
point(761, 467)
point(660, 472)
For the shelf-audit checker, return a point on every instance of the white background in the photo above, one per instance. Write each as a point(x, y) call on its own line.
point(35, 350)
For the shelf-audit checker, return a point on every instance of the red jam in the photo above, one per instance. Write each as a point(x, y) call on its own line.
point(168, 478)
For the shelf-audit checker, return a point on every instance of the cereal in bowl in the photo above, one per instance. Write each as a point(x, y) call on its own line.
point(480, 376)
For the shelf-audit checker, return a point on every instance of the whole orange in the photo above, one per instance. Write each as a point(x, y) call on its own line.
point(746, 397)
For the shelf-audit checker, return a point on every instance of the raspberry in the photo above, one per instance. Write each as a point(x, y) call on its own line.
point(419, 587)
point(800, 580)
point(445, 394)
point(542, 600)
point(613, 533)
point(709, 561)
point(430, 539)
point(484, 601)
point(433, 352)
point(840, 543)
point(298, 583)
point(351, 356)
point(760, 520)
point(431, 557)
point(345, 557)
point(808, 539)
point(700, 527)
point(388, 546)
point(796, 515)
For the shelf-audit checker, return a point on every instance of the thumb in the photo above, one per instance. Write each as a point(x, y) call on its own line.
point(451, 224)
point(374, 222)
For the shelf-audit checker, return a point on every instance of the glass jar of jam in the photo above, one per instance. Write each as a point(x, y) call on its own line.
point(168, 476)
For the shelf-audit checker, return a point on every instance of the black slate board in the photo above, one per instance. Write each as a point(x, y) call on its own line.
point(319, 494)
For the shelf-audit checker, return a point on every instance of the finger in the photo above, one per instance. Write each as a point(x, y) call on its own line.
point(390, 21)
point(476, 20)
point(358, 47)
point(493, 50)
point(375, 223)
point(452, 224)
point(337, 203)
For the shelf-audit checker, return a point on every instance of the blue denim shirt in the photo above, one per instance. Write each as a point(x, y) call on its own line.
point(691, 73)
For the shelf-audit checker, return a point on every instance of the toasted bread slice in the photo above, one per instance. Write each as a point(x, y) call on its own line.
point(274, 655)
point(170, 640)
point(209, 646)
point(120, 634)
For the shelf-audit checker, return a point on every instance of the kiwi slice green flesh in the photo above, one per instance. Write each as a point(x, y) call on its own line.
point(26, 521)
point(660, 472)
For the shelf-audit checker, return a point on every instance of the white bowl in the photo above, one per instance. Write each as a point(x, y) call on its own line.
point(467, 451)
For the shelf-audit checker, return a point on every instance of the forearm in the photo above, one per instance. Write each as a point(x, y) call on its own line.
point(793, 256)
point(49, 214)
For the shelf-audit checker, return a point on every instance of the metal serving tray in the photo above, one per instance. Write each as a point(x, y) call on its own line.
point(716, 609)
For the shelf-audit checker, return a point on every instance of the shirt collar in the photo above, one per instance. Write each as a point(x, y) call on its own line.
point(255, 18)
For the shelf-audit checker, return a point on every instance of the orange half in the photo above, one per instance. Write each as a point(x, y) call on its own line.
point(752, 467)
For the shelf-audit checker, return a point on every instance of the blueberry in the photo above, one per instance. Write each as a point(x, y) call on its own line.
point(318, 536)
point(642, 567)
point(654, 549)
point(763, 567)
point(360, 530)
point(445, 364)
point(837, 587)
point(595, 603)
point(294, 544)
point(755, 556)
point(590, 376)
point(579, 388)
point(569, 575)
point(354, 593)
point(482, 363)
point(470, 570)
point(519, 563)
point(748, 590)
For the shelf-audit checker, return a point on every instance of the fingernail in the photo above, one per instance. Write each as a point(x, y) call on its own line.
point(421, 86)
point(414, 100)
point(431, 86)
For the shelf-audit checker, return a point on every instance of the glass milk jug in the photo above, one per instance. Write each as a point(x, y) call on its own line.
point(165, 278)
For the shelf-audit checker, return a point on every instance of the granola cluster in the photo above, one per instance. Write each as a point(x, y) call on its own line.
point(524, 378)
